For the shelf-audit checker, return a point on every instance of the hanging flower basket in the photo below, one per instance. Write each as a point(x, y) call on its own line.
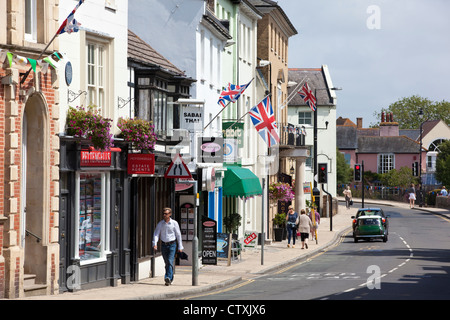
point(140, 133)
point(280, 191)
point(89, 124)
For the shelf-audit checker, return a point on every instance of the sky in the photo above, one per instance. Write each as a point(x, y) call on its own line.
point(377, 51)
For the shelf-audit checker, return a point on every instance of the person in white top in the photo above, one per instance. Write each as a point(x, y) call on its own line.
point(169, 232)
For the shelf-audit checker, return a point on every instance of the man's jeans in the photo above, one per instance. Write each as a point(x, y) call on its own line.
point(168, 253)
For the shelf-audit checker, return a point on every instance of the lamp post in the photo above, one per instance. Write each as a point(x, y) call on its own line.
point(420, 159)
point(315, 190)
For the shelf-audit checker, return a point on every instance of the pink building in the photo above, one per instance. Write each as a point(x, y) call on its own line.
point(382, 149)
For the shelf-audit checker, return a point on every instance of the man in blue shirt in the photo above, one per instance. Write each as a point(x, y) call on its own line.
point(169, 232)
point(444, 192)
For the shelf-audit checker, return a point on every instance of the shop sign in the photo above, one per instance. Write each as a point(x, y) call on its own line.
point(210, 150)
point(235, 132)
point(250, 239)
point(191, 118)
point(209, 241)
point(141, 163)
point(95, 158)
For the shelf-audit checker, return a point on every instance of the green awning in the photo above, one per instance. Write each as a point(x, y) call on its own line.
point(241, 182)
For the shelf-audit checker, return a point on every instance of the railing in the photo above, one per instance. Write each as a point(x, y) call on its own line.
point(292, 136)
point(29, 233)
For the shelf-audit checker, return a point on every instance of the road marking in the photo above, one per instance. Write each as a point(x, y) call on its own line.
point(366, 284)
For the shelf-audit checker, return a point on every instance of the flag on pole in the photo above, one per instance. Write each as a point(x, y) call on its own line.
point(263, 119)
point(70, 24)
point(308, 96)
point(232, 93)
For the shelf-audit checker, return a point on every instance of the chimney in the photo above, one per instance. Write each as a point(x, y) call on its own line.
point(389, 128)
point(359, 123)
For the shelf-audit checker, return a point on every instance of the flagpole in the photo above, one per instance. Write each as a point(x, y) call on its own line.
point(40, 56)
point(226, 106)
point(246, 113)
point(48, 45)
point(216, 116)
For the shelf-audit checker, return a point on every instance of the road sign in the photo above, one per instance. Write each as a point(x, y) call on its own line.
point(178, 169)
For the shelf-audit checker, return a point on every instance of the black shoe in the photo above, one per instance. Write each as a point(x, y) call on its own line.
point(168, 282)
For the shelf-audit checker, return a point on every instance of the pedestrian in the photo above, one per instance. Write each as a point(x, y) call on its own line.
point(168, 230)
point(443, 192)
point(412, 196)
point(315, 222)
point(304, 226)
point(348, 197)
point(292, 222)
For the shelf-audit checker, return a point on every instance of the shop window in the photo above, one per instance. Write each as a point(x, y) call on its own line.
point(92, 216)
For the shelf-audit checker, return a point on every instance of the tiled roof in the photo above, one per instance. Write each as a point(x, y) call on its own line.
point(399, 144)
point(315, 79)
point(142, 52)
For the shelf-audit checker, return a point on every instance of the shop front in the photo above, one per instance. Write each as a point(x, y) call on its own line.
point(94, 217)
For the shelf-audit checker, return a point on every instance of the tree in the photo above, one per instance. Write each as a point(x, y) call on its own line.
point(443, 163)
point(398, 178)
point(406, 111)
point(344, 174)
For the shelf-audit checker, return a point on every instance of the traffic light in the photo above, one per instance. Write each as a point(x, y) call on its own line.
point(358, 170)
point(415, 169)
point(323, 173)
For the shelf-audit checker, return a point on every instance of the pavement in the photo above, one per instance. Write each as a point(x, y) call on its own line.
point(276, 257)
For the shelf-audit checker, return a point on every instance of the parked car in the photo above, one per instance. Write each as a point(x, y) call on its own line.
point(370, 227)
point(371, 212)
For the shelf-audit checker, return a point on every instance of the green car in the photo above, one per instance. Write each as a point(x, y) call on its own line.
point(370, 227)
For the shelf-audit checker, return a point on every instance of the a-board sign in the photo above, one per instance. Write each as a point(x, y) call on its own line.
point(209, 241)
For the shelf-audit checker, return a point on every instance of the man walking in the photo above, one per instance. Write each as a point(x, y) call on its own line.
point(169, 232)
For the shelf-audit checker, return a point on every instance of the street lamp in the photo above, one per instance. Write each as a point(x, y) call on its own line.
point(315, 190)
point(420, 159)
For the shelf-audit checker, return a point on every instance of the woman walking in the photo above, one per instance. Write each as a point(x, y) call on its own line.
point(304, 227)
point(412, 196)
point(291, 219)
point(348, 197)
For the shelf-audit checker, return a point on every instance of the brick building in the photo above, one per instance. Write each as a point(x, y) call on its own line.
point(29, 156)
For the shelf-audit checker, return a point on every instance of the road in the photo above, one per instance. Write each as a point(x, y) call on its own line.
point(413, 264)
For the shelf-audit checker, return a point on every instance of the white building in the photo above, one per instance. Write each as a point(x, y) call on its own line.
point(300, 114)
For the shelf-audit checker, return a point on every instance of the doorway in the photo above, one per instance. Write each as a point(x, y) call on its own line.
point(34, 188)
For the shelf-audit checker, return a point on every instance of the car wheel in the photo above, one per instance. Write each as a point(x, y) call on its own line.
point(385, 238)
point(355, 239)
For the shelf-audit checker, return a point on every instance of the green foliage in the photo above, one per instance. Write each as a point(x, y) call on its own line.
point(280, 219)
point(443, 163)
point(344, 174)
point(398, 178)
point(406, 111)
point(232, 222)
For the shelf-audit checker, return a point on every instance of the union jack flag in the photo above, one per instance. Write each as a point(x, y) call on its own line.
point(70, 24)
point(263, 119)
point(232, 93)
point(308, 96)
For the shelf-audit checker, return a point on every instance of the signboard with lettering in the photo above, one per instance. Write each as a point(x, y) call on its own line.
point(192, 118)
point(141, 163)
point(209, 241)
point(250, 239)
point(95, 158)
point(210, 150)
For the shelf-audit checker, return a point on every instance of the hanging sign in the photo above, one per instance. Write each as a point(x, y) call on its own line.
point(141, 163)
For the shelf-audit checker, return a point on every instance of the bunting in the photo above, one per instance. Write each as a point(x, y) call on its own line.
point(21, 61)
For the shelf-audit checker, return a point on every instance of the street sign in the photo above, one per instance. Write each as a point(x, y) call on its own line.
point(178, 169)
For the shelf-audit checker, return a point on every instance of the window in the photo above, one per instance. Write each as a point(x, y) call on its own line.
point(434, 146)
point(92, 216)
point(385, 162)
point(30, 20)
point(305, 118)
point(96, 74)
